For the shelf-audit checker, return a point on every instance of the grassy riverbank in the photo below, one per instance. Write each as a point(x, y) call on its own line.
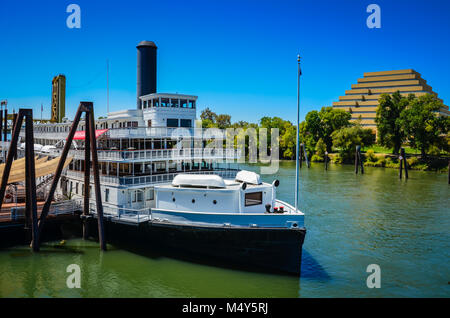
point(386, 160)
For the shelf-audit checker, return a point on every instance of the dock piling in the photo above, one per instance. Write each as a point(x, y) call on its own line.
point(87, 177)
point(30, 172)
point(403, 163)
point(88, 109)
point(358, 160)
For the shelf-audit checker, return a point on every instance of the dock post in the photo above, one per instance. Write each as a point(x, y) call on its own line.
point(326, 160)
point(88, 108)
point(62, 160)
point(14, 123)
point(30, 172)
point(356, 160)
point(405, 163)
point(30, 179)
point(95, 168)
point(87, 177)
point(10, 157)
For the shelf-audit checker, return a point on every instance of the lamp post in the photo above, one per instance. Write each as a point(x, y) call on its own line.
point(297, 137)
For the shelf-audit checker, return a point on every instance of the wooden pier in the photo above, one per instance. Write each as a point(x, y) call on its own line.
point(29, 213)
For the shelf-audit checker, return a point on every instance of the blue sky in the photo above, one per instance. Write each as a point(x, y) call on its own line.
point(239, 57)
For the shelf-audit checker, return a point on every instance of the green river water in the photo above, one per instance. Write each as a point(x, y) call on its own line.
point(352, 221)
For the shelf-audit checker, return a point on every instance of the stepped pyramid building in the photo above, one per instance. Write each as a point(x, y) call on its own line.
point(362, 99)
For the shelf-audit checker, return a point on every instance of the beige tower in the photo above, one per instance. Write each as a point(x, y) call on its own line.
point(58, 98)
point(362, 100)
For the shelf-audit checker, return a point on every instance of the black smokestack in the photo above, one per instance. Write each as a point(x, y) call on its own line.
point(146, 69)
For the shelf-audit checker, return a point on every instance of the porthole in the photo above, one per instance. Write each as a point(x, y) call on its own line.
point(214, 201)
point(193, 200)
point(173, 199)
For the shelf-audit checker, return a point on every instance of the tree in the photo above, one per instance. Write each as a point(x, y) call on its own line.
point(288, 141)
point(207, 114)
point(423, 126)
point(332, 119)
point(390, 127)
point(321, 124)
point(286, 133)
point(347, 138)
point(223, 121)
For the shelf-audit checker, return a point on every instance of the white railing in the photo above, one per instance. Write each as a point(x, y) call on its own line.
point(56, 208)
point(128, 215)
point(151, 179)
point(132, 132)
point(156, 154)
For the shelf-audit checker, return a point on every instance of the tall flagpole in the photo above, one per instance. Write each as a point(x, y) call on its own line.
point(298, 128)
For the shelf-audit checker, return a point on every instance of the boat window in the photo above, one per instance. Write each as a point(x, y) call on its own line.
point(253, 198)
point(139, 196)
point(185, 123)
point(172, 122)
point(107, 195)
point(164, 102)
point(150, 195)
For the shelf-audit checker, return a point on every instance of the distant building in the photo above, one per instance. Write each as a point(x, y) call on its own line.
point(362, 100)
point(58, 98)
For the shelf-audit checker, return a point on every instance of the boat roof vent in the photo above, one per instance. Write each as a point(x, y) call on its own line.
point(197, 180)
point(248, 177)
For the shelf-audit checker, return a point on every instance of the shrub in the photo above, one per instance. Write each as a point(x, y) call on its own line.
point(434, 151)
point(317, 158)
point(370, 156)
point(337, 159)
point(413, 161)
point(346, 139)
point(390, 163)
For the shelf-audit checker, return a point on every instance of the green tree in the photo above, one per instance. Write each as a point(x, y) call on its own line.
point(332, 119)
point(390, 127)
point(423, 126)
point(208, 114)
point(223, 121)
point(288, 141)
point(321, 124)
point(347, 138)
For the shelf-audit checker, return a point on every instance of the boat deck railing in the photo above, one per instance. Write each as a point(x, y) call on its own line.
point(17, 211)
point(160, 154)
point(132, 132)
point(152, 179)
point(123, 215)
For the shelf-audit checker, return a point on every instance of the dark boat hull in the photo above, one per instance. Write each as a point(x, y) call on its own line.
point(257, 248)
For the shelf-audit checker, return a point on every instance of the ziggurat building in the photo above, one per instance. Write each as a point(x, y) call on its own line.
point(362, 100)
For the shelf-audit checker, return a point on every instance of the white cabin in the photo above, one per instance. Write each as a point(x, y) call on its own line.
point(212, 194)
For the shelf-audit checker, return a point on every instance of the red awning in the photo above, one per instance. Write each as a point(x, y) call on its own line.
point(81, 135)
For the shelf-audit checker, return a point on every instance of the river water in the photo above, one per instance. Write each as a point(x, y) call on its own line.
point(352, 221)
